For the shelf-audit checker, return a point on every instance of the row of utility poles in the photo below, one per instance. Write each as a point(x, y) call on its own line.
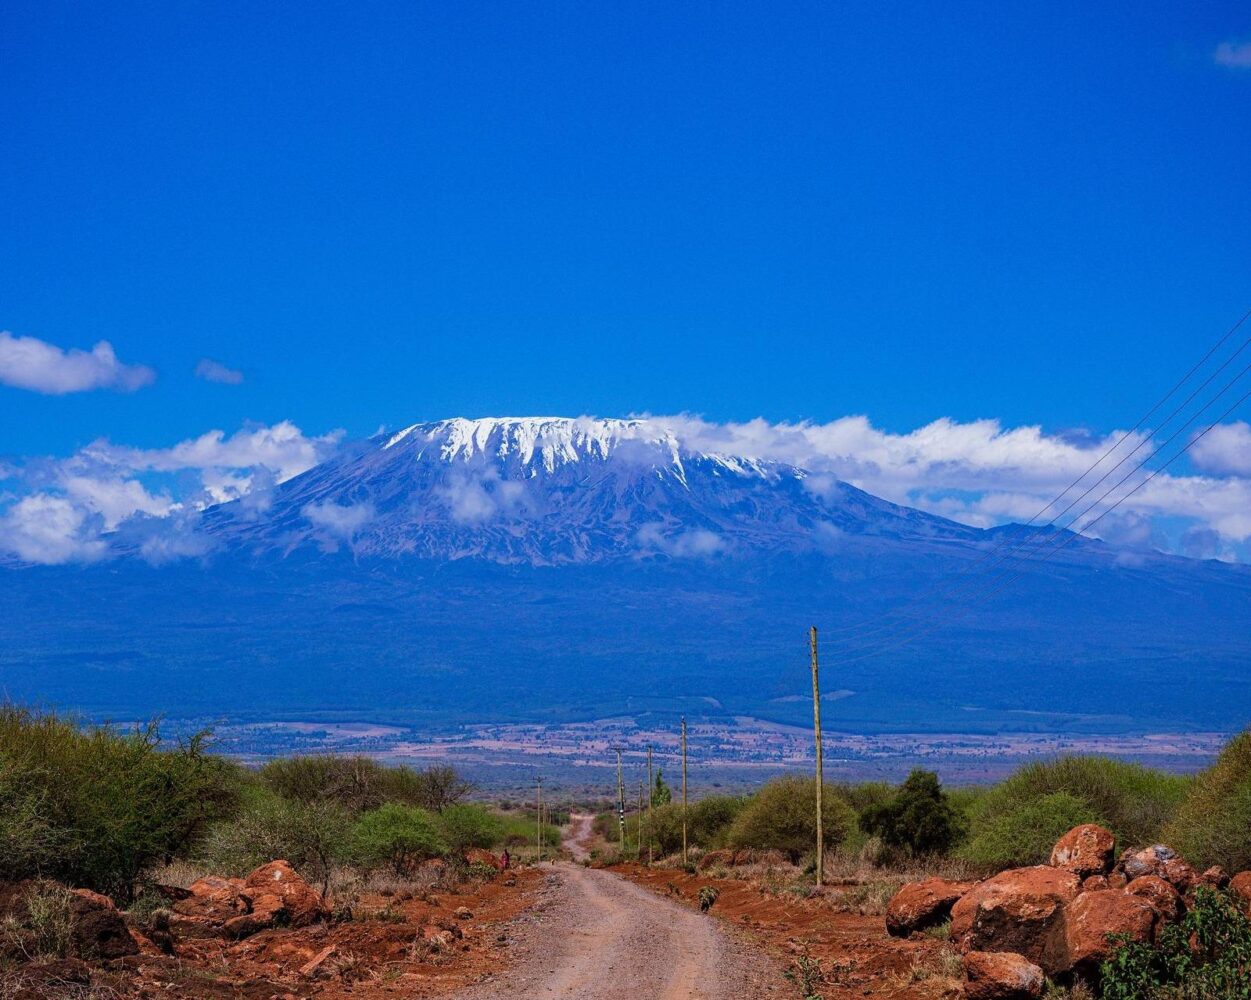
point(651, 787)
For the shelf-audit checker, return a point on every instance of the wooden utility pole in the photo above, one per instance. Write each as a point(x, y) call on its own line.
point(638, 842)
point(620, 800)
point(816, 728)
point(538, 819)
point(684, 789)
point(651, 791)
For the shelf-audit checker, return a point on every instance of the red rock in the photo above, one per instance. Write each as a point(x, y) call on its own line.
point(1240, 889)
point(302, 903)
point(477, 856)
point(1088, 849)
point(1001, 975)
point(1179, 874)
point(98, 929)
point(714, 859)
point(919, 905)
point(1147, 861)
point(1117, 881)
point(213, 899)
point(1160, 894)
point(1016, 911)
point(267, 910)
point(1214, 877)
point(1088, 922)
point(1095, 883)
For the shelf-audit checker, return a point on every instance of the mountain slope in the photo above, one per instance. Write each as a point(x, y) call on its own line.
point(547, 569)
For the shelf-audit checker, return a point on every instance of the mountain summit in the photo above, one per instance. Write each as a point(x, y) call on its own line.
point(558, 490)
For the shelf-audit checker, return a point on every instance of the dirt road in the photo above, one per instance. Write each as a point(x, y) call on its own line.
point(595, 936)
point(577, 836)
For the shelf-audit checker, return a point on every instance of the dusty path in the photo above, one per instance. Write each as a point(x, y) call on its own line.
point(578, 840)
point(595, 936)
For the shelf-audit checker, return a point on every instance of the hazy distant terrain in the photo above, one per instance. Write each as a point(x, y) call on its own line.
point(557, 571)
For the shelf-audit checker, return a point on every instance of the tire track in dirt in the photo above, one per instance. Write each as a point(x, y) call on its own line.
point(596, 936)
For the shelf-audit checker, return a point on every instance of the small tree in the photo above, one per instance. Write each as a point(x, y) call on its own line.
point(398, 835)
point(466, 826)
point(436, 788)
point(662, 795)
point(917, 819)
point(782, 816)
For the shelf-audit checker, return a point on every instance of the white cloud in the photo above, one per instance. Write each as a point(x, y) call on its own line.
point(479, 494)
point(689, 544)
point(30, 363)
point(149, 496)
point(1224, 450)
point(215, 371)
point(339, 521)
point(50, 530)
point(1235, 55)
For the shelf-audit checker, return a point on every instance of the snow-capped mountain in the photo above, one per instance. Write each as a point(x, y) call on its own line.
point(555, 490)
point(549, 568)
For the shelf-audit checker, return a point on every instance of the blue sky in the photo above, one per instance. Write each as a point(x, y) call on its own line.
point(373, 214)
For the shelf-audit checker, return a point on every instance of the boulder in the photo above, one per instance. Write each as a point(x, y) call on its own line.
point(301, 903)
point(1214, 877)
point(1001, 975)
point(1088, 923)
point(213, 899)
point(1179, 875)
point(1147, 861)
point(1160, 894)
point(1240, 889)
point(98, 928)
point(1088, 849)
point(716, 859)
point(1095, 883)
point(1016, 911)
point(920, 905)
point(477, 856)
point(268, 910)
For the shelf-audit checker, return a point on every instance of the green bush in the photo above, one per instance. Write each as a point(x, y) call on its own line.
point(1025, 833)
point(1134, 802)
point(313, 836)
point(398, 835)
point(1204, 957)
point(917, 819)
point(1213, 824)
point(466, 826)
point(782, 816)
point(94, 807)
point(710, 818)
point(360, 783)
point(518, 829)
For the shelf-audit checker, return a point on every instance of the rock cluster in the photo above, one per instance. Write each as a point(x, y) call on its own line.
point(1055, 920)
point(272, 895)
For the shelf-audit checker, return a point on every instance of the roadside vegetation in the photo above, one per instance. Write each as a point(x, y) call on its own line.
point(109, 810)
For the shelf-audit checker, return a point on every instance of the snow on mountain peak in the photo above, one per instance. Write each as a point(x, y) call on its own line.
point(552, 441)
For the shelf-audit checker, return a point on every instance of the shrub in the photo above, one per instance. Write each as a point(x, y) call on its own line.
point(1213, 824)
point(312, 836)
point(1203, 957)
point(1025, 834)
point(435, 788)
point(102, 805)
point(709, 819)
point(917, 819)
point(466, 826)
point(1134, 802)
point(782, 816)
point(355, 783)
point(397, 835)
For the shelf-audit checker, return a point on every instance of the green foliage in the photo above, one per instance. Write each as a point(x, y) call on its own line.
point(708, 895)
point(361, 783)
point(398, 835)
point(709, 819)
point(1204, 957)
point(1134, 802)
point(466, 826)
point(1213, 824)
point(917, 819)
point(782, 816)
point(661, 793)
point(518, 829)
point(313, 836)
point(1024, 832)
point(94, 807)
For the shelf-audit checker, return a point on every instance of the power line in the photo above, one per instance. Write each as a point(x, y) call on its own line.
point(883, 622)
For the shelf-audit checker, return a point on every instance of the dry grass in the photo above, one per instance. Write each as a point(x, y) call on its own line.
point(945, 969)
point(177, 873)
